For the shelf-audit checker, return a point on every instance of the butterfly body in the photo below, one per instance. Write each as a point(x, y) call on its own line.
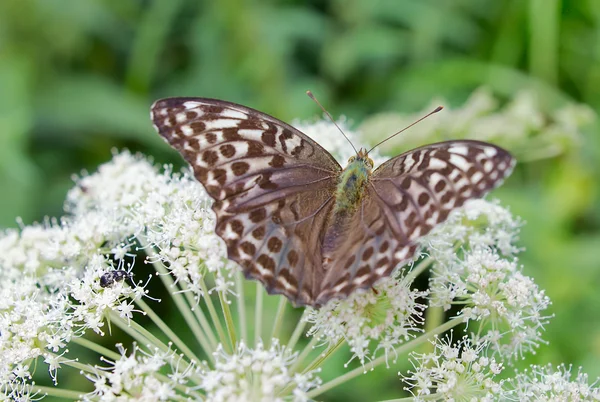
point(352, 184)
point(293, 219)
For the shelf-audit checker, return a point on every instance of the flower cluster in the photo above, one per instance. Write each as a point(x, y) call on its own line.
point(474, 266)
point(546, 384)
point(386, 316)
point(454, 372)
point(258, 374)
point(138, 376)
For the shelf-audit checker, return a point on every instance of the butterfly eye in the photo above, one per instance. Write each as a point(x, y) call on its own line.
point(370, 162)
point(352, 159)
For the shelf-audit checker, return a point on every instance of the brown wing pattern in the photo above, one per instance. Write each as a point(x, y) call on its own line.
point(272, 185)
point(407, 197)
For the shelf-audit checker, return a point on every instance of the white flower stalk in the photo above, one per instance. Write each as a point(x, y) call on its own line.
point(257, 374)
point(454, 372)
point(550, 384)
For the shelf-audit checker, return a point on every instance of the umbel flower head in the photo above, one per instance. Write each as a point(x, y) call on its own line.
point(156, 228)
point(257, 374)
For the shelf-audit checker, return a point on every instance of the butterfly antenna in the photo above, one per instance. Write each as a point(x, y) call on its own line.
point(437, 109)
point(311, 96)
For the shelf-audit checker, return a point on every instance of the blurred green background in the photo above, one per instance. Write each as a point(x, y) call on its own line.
point(77, 79)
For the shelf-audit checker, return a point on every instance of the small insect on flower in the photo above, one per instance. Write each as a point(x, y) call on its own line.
point(298, 222)
point(112, 277)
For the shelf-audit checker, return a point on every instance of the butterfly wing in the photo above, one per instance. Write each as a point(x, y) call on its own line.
point(273, 187)
point(407, 196)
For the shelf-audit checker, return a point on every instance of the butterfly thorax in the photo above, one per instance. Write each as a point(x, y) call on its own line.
point(352, 182)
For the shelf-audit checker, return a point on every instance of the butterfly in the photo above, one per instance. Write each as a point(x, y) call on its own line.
point(294, 220)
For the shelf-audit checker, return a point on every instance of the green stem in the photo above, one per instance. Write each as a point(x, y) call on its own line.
point(101, 350)
point(228, 320)
point(58, 392)
point(258, 314)
point(201, 318)
point(409, 346)
point(297, 331)
point(319, 360)
point(434, 317)
point(416, 271)
point(137, 332)
point(171, 335)
point(305, 352)
point(239, 283)
point(215, 317)
point(180, 302)
point(278, 318)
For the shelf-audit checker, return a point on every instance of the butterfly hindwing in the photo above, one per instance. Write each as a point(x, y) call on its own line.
point(272, 187)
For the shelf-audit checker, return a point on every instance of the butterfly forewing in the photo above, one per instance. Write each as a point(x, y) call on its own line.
point(272, 185)
point(275, 197)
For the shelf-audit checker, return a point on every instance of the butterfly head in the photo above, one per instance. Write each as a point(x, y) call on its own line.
point(362, 156)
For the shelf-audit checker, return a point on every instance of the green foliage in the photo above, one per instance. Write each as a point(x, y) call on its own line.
point(78, 77)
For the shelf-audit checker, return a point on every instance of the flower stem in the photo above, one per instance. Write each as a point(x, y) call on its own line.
point(137, 332)
point(181, 303)
point(172, 336)
point(297, 331)
point(201, 318)
point(258, 314)
point(305, 352)
point(434, 316)
point(407, 347)
point(324, 356)
point(416, 271)
point(58, 392)
point(215, 317)
point(228, 320)
point(278, 317)
point(239, 284)
point(101, 350)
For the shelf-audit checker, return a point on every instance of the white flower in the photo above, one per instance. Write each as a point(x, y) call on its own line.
point(257, 374)
point(386, 316)
point(474, 267)
point(548, 384)
point(138, 377)
point(454, 372)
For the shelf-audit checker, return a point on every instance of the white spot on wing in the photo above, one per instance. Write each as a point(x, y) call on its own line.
point(191, 104)
point(220, 123)
point(490, 151)
point(435, 163)
point(459, 149)
point(476, 177)
point(233, 114)
point(251, 134)
point(187, 130)
point(459, 162)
